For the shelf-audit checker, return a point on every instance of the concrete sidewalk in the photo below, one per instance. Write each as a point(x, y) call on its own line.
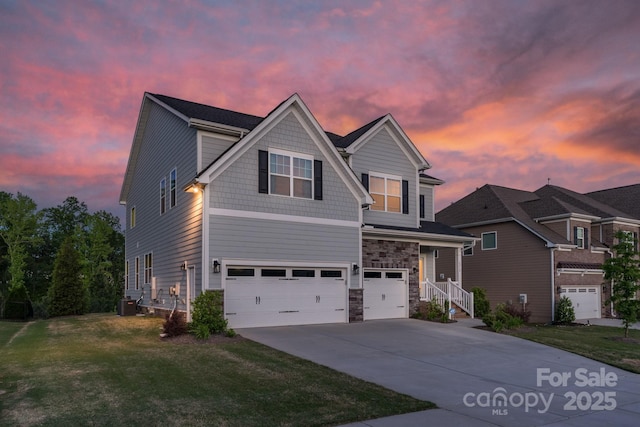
point(477, 378)
point(609, 322)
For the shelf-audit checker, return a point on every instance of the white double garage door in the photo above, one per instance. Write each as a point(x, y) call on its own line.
point(585, 300)
point(257, 296)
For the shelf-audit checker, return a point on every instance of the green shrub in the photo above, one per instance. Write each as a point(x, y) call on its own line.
point(208, 313)
point(502, 319)
point(564, 311)
point(480, 302)
point(516, 310)
point(230, 333)
point(201, 331)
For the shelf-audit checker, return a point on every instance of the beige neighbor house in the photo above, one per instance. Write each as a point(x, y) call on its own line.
point(538, 246)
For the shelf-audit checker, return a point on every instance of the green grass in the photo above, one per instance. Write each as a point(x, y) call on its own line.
point(109, 370)
point(601, 343)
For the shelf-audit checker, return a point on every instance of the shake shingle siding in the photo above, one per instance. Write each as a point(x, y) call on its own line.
point(381, 154)
point(237, 187)
point(175, 236)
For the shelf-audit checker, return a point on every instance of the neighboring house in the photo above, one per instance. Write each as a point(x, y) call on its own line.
point(539, 246)
point(294, 225)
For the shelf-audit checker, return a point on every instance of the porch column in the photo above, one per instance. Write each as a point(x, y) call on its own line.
point(459, 266)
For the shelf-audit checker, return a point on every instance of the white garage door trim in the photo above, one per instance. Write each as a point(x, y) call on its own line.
point(281, 294)
point(385, 296)
point(585, 299)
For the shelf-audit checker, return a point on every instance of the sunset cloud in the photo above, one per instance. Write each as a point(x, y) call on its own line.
point(502, 92)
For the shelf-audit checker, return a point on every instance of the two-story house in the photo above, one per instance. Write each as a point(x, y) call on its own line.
point(539, 246)
point(295, 225)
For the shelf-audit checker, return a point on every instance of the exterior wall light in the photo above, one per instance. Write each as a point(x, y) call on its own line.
point(215, 266)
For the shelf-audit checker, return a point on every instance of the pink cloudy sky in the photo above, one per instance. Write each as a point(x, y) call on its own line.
point(502, 92)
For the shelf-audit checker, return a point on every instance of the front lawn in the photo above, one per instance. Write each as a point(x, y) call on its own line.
point(601, 343)
point(110, 370)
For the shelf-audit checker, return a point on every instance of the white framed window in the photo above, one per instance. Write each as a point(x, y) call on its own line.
point(290, 174)
point(163, 195)
point(126, 275)
point(132, 217)
point(173, 182)
point(580, 237)
point(386, 191)
point(467, 250)
point(489, 240)
point(136, 273)
point(148, 268)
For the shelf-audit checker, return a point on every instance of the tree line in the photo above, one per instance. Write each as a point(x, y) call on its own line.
point(58, 261)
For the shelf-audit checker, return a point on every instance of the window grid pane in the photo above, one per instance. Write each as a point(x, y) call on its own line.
point(393, 187)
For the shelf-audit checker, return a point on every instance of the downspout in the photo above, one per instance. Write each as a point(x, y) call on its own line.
point(553, 286)
point(611, 294)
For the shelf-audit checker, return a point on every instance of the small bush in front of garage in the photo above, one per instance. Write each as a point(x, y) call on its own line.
point(207, 316)
point(565, 315)
point(502, 318)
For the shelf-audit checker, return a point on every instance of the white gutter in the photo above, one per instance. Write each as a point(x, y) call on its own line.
point(368, 230)
point(217, 127)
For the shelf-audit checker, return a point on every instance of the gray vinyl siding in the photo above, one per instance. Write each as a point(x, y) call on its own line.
point(427, 192)
point(262, 239)
point(175, 236)
point(212, 148)
point(520, 264)
point(381, 154)
point(237, 187)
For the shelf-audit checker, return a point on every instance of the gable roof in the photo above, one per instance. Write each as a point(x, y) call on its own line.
point(293, 104)
point(239, 124)
point(356, 139)
point(495, 204)
point(193, 110)
point(580, 203)
point(626, 198)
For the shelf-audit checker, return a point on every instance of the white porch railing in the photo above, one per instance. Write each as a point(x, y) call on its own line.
point(447, 291)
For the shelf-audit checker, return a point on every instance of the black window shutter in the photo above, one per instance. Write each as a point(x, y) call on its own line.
point(422, 206)
point(263, 171)
point(405, 196)
point(575, 235)
point(317, 179)
point(365, 180)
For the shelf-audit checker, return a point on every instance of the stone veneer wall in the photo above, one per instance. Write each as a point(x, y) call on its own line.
point(356, 308)
point(392, 254)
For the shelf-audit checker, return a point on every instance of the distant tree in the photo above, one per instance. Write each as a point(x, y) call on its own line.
point(19, 220)
point(103, 261)
point(67, 294)
point(623, 270)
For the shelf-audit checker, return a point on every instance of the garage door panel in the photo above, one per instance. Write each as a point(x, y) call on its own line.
point(290, 300)
point(585, 300)
point(385, 294)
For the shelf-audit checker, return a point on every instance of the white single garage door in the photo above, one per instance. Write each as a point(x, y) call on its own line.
point(278, 296)
point(585, 299)
point(386, 294)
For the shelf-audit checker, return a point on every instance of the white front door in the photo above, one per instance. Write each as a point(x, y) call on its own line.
point(386, 294)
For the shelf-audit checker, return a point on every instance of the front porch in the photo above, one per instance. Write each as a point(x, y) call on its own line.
point(448, 294)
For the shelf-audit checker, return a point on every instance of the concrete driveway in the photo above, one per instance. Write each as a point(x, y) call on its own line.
point(477, 378)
